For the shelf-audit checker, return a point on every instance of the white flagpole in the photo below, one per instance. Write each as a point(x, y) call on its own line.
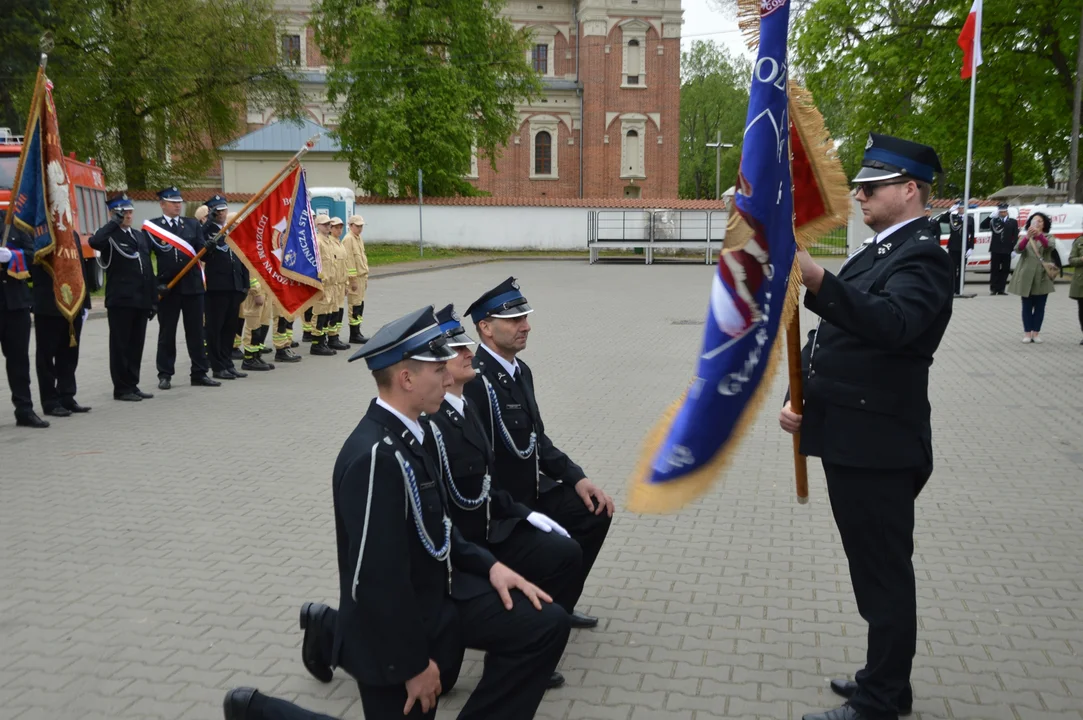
point(969, 156)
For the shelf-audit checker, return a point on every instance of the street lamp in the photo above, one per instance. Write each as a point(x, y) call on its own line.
point(718, 145)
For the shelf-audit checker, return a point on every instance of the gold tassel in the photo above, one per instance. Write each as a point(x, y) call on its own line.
point(71, 334)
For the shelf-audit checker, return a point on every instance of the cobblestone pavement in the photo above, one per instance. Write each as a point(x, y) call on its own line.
point(155, 555)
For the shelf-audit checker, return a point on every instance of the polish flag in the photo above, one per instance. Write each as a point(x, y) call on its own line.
point(970, 41)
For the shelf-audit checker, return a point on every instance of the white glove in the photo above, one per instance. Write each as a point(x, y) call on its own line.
point(5, 255)
point(969, 252)
point(86, 314)
point(545, 523)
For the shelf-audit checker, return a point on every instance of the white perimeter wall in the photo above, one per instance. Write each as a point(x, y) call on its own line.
point(483, 227)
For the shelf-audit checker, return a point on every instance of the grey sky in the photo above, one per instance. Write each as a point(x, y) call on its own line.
point(702, 22)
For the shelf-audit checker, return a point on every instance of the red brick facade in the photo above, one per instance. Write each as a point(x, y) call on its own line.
point(608, 111)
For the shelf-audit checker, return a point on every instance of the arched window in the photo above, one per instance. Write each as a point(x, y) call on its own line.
point(543, 153)
point(631, 154)
point(634, 62)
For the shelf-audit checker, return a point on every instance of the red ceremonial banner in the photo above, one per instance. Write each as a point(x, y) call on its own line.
point(258, 239)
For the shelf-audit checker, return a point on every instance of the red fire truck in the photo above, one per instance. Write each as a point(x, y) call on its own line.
point(87, 183)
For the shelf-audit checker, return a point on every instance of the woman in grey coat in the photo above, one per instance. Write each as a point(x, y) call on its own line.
point(1030, 280)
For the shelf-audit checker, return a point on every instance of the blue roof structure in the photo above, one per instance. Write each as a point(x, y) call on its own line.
point(284, 136)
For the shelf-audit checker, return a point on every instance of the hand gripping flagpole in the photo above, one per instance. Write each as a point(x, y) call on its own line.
point(46, 45)
point(255, 200)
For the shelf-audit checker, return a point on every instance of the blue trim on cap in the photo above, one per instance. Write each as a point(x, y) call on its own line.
point(909, 165)
point(396, 354)
point(451, 325)
point(482, 312)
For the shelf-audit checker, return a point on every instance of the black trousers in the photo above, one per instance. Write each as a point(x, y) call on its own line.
point(127, 335)
point(522, 648)
point(15, 344)
point(589, 530)
point(221, 310)
point(1000, 266)
point(1079, 302)
point(551, 561)
point(874, 511)
point(956, 265)
point(55, 359)
point(170, 309)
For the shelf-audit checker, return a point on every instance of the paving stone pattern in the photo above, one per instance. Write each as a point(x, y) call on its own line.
point(156, 554)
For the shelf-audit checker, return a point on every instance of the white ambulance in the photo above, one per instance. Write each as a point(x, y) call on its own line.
point(978, 259)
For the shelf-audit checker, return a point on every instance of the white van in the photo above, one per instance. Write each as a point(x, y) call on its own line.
point(978, 260)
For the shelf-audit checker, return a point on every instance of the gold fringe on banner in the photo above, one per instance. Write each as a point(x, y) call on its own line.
point(828, 192)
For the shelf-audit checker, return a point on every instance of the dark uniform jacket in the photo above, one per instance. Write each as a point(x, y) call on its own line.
point(395, 609)
point(470, 458)
point(42, 290)
point(518, 408)
point(225, 271)
point(867, 364)
point(1005, 234)
point(14, 292)
point(955, 236)
point(130, 279)
point(171, 261)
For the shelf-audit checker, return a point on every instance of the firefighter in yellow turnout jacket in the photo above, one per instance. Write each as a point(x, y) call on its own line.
point(357, 269)
point(338, 304)
point(326, 304)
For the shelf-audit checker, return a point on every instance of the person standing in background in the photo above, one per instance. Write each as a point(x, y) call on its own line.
point(1031, 280)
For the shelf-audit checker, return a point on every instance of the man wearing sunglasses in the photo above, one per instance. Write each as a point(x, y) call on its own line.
point(867, 413)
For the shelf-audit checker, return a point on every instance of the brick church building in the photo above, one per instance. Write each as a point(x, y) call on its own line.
point(607, 122)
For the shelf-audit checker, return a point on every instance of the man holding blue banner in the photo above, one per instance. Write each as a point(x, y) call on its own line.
point(867, 413)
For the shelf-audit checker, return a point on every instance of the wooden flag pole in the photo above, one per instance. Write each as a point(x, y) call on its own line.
point(255, 199)
point(797, 401)
point(35, 98)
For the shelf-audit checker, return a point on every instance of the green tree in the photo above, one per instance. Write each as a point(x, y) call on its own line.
point(420, 84)
point(21, 25)
point(714, 98)
point(892, 66)
point(152, 88)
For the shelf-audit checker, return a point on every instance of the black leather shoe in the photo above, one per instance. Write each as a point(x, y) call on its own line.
point(128, 397)
point(848, 688)
point(145, 396)
point(235, 706)
point(256, 363)
point(221, 375)
point(294, 344)
point(846, 712)
point(237, 373)
point(76, 407)
point(287, 356)
point(204, 381)
point(266, 350)
point(31, 420)
point(583, 621)
point(237, 354)
point(58, 411)
point(164, 384)
point(336, 344)
point(311, 655)
point(555, 680)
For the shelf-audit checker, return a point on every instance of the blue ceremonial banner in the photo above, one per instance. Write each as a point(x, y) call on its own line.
point(690, 447)
point(300, 254)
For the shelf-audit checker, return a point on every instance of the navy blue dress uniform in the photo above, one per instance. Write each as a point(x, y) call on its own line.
point(55, 359)
point(185, 299)
point(488, 515)
point(1004, 234)
point(15, 304)
point(955, 240)
point(867, 417)
point(131, 297)
point(528, 466)
point(227, 286)
point(412, 588)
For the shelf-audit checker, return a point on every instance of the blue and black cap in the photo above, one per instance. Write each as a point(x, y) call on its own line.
point(217, 203)
point(1002, 206)
point(170, 194)
point(416, 336)
point(120, 202)
point(452, 326)
point(503, 301)
point(889, 157)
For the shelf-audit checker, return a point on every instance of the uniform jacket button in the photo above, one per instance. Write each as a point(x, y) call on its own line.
point(862, 401)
